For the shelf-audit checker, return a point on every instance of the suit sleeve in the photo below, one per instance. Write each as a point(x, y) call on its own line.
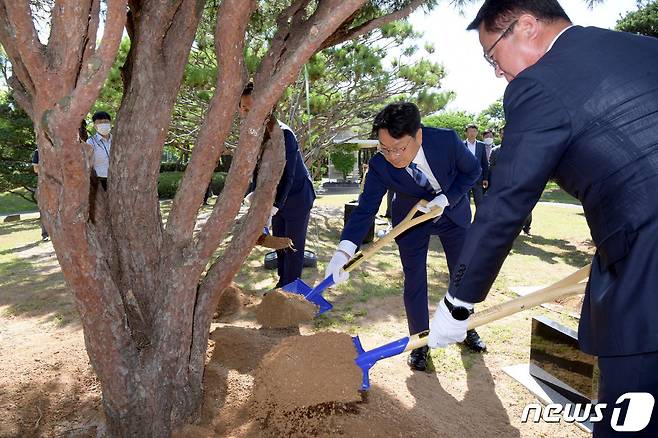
point(468, 171)
point(288, 176)
point(538, 131)
point(362, 216)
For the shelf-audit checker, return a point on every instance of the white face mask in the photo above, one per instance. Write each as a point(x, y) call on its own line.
point(488, 141)
point(103, 128)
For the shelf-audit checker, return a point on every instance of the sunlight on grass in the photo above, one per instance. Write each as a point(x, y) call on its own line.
point(13, 203)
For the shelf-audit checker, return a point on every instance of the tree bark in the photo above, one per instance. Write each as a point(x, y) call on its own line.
point(144, 304)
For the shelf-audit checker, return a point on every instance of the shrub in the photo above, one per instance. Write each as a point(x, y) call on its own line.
point(343, 157)
point(172, 167)
point(217, 183)
point(168, 183)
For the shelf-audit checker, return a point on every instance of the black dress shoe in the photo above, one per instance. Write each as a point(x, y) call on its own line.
point(417, 360)
point(474, 342)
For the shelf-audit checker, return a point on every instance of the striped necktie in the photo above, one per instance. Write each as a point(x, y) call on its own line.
point(420, 178)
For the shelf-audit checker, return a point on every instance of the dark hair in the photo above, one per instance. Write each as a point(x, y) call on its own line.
point(487, 131)
point(399, 119)
point(100, 115)
point(498, 14)
point(248, 89)
point(471, 125)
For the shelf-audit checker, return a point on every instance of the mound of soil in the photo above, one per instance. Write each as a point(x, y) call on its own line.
point(303, 381)
point(231, 302)
point(241, 349)
point(280, 309)
point(306, 371)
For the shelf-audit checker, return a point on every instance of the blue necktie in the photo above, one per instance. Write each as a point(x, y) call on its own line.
point(420, 178)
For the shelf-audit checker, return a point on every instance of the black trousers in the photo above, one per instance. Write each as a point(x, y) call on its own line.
point(477, 193)
point(290, 262)
point(621, 375)
point(413, 246)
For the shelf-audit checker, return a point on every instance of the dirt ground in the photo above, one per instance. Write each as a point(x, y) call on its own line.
point(47, 388)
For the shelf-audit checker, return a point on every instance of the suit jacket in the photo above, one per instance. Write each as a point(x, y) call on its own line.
point(294, 193)
point(493, 158)
point(481, 156)
point(453, 166)
point(595, 130)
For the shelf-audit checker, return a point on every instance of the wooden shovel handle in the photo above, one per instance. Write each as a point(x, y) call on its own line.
point(570, 285)
point(408, 222)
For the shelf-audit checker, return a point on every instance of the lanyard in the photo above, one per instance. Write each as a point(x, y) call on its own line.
point(96, 141)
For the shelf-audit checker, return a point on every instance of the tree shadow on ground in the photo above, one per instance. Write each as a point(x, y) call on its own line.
point(569, 253)
point(32, 285)
point(22, 225)
point(63, 406)
point(479, 413)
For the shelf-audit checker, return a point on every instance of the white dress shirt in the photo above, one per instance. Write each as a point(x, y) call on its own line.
point(101, 148)
point(471, 146)
point(423, 165)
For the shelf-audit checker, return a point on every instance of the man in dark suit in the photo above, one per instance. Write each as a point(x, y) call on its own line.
point(479, 151)
point(416, 163)
point(594, 131)
point(292, 203)
point(493, 158)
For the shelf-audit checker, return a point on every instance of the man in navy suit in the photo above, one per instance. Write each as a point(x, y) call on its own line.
point(292, 203)
point(416, 163)
point(479, 150)
point(581, 107)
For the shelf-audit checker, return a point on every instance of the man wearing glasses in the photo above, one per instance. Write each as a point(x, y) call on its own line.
point(416, 163)
point(581, 107)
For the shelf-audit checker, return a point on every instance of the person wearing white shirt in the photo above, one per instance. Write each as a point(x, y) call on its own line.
point(101, 143)
point(415, 162)
point(478, 149)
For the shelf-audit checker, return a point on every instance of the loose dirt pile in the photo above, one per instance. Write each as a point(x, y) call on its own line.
point(305, 378)
point(305, 371)
point(281, 309)
point(231, 302)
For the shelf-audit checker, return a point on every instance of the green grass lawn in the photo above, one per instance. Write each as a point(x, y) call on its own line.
point(12, 203)
point(553, 193)
point(559, 245)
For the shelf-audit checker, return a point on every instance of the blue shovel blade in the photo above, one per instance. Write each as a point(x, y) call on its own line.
point(314, 295)
point(366, 359)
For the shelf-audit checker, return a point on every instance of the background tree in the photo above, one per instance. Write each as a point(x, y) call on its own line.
point(644, 21)
point(340, 87)
point(493, 117)
point(344, 158)
point(456, 120)
point(16, 148)
point(140, 283)
point(348, 84)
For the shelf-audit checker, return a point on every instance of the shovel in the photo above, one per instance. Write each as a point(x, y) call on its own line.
point(314, 295)
point(570, 285)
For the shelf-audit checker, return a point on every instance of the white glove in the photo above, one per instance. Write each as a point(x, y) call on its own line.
point(439, 201)
point(274, 211)
point(343, 254)
point(444, 329)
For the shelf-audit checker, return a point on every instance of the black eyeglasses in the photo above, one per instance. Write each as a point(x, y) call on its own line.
point(487, 55)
